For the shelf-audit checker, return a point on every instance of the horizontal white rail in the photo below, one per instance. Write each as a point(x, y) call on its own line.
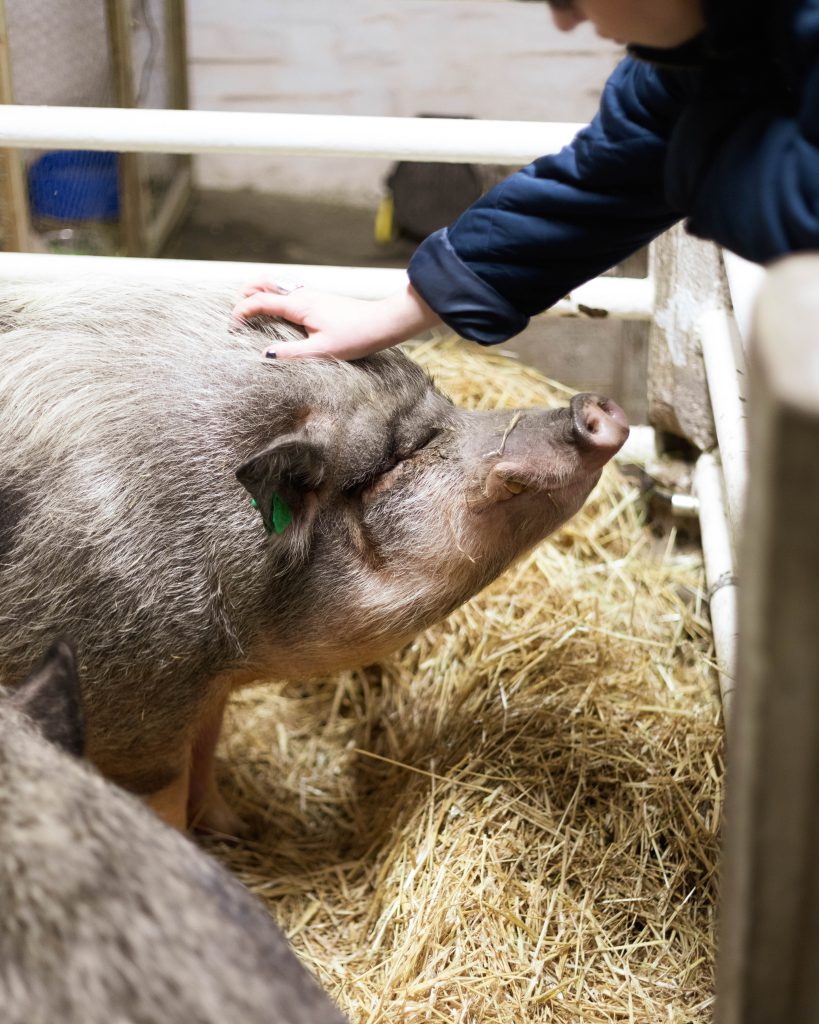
point(618, 297)
point(200, 131)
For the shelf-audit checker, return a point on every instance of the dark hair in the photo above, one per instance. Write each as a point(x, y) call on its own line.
point(556, 5)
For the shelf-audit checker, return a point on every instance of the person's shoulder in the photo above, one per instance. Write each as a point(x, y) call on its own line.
point(639, 88)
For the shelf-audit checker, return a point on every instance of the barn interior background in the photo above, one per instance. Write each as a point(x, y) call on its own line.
point(489, 59)
point(577, 810)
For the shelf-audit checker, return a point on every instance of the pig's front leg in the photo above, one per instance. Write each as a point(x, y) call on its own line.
point(168, 760)
point(207, 808)
point(171, 802)
point(161, 782)
point(164, 762)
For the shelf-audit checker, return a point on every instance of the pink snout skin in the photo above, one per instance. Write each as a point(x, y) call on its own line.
point(597, 429)
point(600, 426)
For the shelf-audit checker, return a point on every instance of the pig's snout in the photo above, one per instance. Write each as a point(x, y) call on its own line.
point(599, 426)
point(545, 452)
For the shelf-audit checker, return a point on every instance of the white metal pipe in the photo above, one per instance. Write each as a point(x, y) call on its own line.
point(202, 131)
point(726, 375)
point(720, 572)
point(744, 281)
point(622, 298)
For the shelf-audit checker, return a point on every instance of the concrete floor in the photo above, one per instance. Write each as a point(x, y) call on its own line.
point(594, 355)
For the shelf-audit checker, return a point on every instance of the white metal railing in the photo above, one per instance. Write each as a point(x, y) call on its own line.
point(721, 477)
point(725, 372)
point(396, 138)
point(745, 281)
point(718, 544)
point(424, 139)
point(448, 140)
point(624, 298)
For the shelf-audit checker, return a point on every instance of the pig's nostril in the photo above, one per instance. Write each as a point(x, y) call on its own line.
point(598, 424)
point(614, 412)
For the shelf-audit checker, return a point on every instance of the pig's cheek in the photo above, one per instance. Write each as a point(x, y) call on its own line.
point(365, 549)
point(440, 530)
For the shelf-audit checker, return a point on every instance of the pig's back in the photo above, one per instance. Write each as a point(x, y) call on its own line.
point(84, 362)
point(123, 416)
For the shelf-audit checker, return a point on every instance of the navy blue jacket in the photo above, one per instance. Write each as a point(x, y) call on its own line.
point(723, 131)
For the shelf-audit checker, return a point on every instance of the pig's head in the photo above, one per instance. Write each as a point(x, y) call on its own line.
point(404, 506)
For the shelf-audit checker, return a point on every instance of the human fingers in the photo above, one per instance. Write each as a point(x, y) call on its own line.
point(307, 348)
point(280, 285)
point(323, 345)
point(255, 286)
point(270, 304)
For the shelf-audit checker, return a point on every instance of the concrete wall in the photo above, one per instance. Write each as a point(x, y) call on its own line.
point(483, 58)
point(59, 52)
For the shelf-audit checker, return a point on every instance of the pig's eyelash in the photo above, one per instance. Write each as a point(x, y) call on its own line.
point(419, 446)
point(355, 487)
point(396, 458)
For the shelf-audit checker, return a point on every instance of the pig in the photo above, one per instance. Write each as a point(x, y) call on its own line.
point(108, 914)
point(207, 518)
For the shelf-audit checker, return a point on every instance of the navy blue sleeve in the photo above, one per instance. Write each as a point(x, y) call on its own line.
point(564, 218)
point(759, 195)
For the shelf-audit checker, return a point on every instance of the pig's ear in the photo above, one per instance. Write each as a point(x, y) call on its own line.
point(50, 697)
point(280, 477)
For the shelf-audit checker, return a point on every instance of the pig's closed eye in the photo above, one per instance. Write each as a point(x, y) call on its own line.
point(378, 479)
point(355, 487)
point(386, 475)
point(417, 445)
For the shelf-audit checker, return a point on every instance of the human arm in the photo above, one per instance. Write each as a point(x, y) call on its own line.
point(733, 148)
point(564, 218)
point(518, 250)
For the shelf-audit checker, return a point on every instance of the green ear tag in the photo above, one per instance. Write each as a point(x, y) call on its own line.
point(282, 516)
point(279, 512)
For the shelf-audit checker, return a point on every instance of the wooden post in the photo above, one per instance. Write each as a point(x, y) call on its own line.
point(177, 198)
point(177, 54)
point(132, 199)
point(690, 281)
point(769, 945)
point(14, 218)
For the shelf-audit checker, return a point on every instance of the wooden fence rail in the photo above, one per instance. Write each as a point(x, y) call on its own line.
point(769, 946)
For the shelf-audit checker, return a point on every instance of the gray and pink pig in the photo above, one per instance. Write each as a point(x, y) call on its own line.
point(196, 518)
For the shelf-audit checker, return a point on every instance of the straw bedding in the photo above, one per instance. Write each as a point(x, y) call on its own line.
point(515, 819)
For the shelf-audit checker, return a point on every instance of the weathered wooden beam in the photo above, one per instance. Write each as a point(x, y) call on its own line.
point(133, 200)
point(176, 201)
point(769, 946)
point(176, 54)
point(14, 218)
point(690, 281)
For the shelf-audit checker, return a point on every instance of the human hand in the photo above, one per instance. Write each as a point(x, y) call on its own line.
point(337, 327)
